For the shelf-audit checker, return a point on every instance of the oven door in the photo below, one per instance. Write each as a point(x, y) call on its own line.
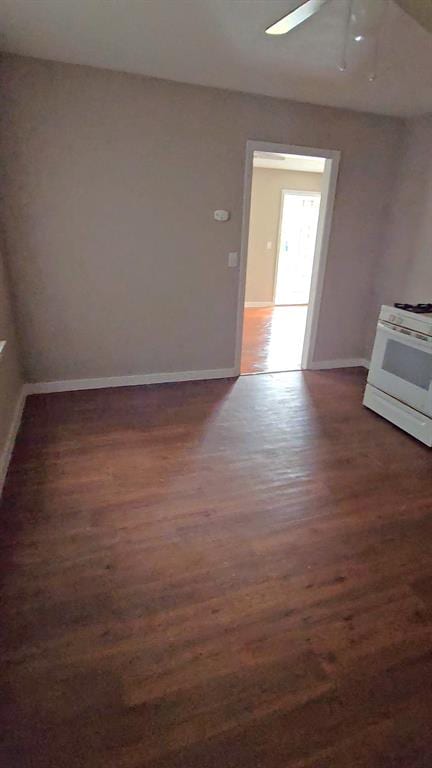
point(401, 365)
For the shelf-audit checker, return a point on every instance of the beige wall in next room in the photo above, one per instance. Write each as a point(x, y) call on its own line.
point(267, 186)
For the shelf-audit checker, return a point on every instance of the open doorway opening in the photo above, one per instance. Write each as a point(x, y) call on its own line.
point(289, 196)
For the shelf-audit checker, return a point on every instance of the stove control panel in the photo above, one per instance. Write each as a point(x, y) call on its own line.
point(418, 324)
point(396, 319)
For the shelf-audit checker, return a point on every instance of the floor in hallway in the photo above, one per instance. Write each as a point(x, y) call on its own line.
point(273, 338)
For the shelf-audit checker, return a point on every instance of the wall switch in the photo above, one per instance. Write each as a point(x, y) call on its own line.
point(269, 245)
point(221, 215)
point(233, 259)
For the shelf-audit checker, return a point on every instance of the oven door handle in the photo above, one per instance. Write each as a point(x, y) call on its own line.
point(409, 338)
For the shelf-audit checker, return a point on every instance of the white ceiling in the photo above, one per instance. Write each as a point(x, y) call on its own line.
point(288, 162)
point(222, 43)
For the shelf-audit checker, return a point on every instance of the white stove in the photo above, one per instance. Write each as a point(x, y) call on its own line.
point(399, 385)
point(419, 322)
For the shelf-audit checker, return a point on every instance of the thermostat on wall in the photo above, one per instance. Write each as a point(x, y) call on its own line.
point(221, 215)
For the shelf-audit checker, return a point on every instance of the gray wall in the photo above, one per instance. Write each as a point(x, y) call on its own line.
point(405, 271)
point(267, 186)
point(110, 182)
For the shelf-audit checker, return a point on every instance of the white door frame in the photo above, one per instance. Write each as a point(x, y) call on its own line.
point(328, 194)
point(299, 193)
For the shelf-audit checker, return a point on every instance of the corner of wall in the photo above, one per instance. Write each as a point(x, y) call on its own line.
point(12, 390)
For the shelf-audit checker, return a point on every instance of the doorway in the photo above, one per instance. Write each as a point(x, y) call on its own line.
point(296, 246)
point(288, 204)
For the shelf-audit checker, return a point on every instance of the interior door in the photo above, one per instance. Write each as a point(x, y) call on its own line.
point(298, 228)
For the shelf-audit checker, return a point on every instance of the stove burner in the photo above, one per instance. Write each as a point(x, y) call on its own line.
point(419, 309)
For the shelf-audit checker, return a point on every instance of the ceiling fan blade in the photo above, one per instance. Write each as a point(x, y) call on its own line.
point(295, 17)
point(420, 10)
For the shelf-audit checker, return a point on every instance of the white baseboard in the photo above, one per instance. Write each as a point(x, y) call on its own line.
point(353, 362)
point(250, 304)
point(69, 385)
point(10, 440)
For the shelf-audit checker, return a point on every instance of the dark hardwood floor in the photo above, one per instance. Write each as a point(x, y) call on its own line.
point(230, 574)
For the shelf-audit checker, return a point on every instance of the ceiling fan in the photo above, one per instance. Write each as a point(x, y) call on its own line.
point(364, 19)
point(420, 10)
point(296, 16)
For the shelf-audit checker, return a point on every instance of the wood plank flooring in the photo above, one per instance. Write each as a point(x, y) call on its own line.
point(224, 574)
point(273, 338)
